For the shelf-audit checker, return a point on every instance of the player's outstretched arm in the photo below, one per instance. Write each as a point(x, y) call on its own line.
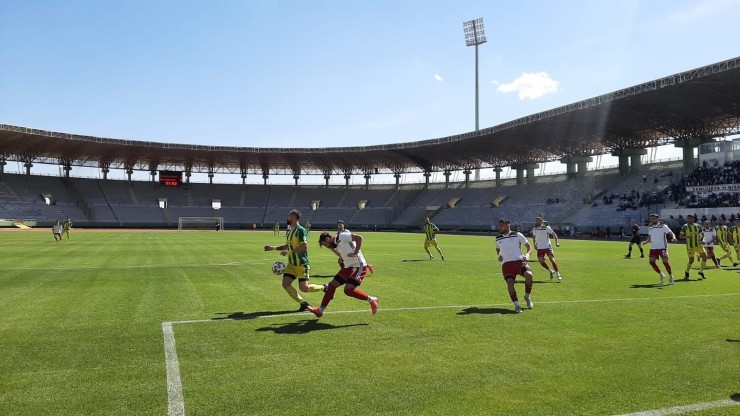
point(555, 235)
point(529, 250)
point(357, 239)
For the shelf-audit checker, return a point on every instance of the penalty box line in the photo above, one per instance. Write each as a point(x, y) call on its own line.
point(689, 408)
point(176, 403)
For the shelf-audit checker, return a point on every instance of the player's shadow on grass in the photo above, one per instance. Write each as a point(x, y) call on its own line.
point(537, 282)
point(486, 311)
point(239, 316)
point(648, 286)
point(413, 260)
point(732, 340)
point(302, 327)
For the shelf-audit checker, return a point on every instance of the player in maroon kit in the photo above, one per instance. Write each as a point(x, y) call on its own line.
point(509, 249)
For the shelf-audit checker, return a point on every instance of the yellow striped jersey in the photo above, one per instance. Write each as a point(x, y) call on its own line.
point(430, 230)
point(734, 234)
point(722, 233)
point(692, 234)
point(293, 240)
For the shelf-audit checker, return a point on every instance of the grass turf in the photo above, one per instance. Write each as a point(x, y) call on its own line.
point(81, 330)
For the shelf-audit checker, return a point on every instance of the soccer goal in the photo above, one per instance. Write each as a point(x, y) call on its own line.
point(200, 223)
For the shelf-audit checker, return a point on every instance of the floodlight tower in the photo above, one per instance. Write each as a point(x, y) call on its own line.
point(475, 35)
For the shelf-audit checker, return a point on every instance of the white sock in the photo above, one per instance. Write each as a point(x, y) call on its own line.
point(516, 303)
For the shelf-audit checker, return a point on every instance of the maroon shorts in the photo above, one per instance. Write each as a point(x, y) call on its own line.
point(542, 252)
point(352, 275)
point(710, 251)
point(514, 268)
point(659, 253)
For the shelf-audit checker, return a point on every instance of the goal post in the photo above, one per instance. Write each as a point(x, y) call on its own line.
point(200, 223)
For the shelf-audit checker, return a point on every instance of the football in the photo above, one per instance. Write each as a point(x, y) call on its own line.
point(278, 267)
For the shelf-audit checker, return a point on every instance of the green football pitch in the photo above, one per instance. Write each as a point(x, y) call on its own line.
point(165, 323)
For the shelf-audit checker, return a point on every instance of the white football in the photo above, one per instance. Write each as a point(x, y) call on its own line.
point(278, 267)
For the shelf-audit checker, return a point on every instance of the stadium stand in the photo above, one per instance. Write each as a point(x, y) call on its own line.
point(598, 199)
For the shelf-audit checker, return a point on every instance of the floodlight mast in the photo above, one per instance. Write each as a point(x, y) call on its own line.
point(475, 35)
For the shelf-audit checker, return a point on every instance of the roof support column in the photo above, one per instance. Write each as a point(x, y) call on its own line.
point(577, 166)
point(347, 177)
point(519, 175)
point(154, 175)
point(66, 167)
point(525, 167)
point(467, 173)
point(265, 175)
point(636, 162)
point(530, 172)
point(105, 173)
point(688, 145)
point(367, 180)
point(188, 174)
point(28, 165)
point(626, 156)
point(243, 172)
point(427, 174)
point(2, 166)
point(447, 174)
point(295, 178)
point(398, 180)
point(498, 176)
point(570, 167)
point(210, 176)
point(326, 178)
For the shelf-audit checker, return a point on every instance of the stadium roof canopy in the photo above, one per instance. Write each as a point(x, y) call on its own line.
point(700, 104)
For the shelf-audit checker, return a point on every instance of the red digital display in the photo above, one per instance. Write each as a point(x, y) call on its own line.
point(170, 178)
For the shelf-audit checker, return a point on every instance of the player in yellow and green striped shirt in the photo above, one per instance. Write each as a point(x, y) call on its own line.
point(733, 238)
point(431, 238)
point(723, 234)
point(296, 249)
point(693, 234)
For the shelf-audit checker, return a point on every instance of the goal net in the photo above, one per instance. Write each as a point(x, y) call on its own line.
point(200, 223)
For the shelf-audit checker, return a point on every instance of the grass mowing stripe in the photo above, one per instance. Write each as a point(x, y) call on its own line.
point(677, 410)
point(425, 308)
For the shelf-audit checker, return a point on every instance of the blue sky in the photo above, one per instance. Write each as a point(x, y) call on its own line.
point(331, 73)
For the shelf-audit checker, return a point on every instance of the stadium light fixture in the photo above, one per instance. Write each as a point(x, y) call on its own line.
point(475, 35)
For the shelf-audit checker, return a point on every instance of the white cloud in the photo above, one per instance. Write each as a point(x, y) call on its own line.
point(437, 77)
point(494, 82)
point(531, 85)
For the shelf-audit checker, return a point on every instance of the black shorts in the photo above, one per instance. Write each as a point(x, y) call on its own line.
point(635, 240)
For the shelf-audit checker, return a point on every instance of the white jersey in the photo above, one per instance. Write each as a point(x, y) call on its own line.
point(709, 237)
point(57, 229)
point(345, 246)
point(659, 236)
point(542, 237)
point(510, 246)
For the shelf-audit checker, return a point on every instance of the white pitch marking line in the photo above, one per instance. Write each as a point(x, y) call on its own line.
point(677, 410)
point(175, 402)
point(424, 308)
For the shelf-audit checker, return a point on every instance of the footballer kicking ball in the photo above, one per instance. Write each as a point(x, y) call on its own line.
point(278, 267)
